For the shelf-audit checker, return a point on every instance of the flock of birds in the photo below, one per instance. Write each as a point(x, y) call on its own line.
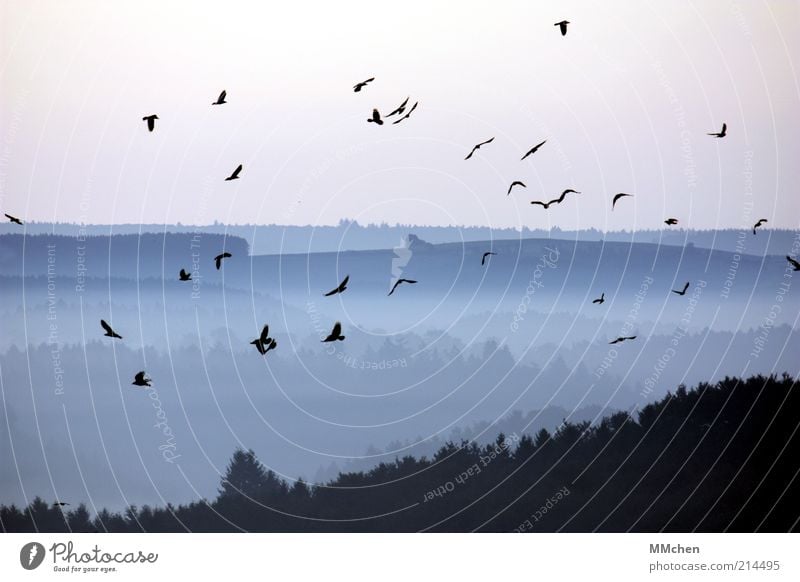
point(264, 343)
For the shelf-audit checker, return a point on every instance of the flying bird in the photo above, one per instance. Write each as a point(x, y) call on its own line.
point(141, 380)
point(184, 276)
point(682, 291)
point(622, 339)
point(794, 263)
point(486, 254)
point(758, 224)
point(358, 86)
point(671, 221)
point(399, 110)
point(235, 175)
point(558, 200)
point(151, 121)
point(563, 26)
point(398, 282)
point(407, 115)
point(221, 99)
point(60, 503)
point(109, 332)
point(341, 288)
point(515, 183)
point(376, 117)
point(13, 219)
point(617, 197)
point(722, 133)
point(600, 300)
point(263, 342)
point(218, 259)
point(336, 333)
point(533, 150)
point(477, 147)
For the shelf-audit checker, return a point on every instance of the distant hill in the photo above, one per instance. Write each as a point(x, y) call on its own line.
point(351, 235)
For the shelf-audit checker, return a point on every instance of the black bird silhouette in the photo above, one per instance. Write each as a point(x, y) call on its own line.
point(563, 26)
point(184, 276)
point(486, 254)
point(407, 115)
point(140, 380)
point(263, 342)
point(342, 287)
point(617, 197)
point(13, 219)
point(622, 339)
point(399, 110)
point(376, 117)
point(759, 223)
point(358, 86)
point(235, 175)
point(151, 121)
point(558, 200)
point(794, 263)
point(671, 221)
point(478, 146)
point(600, 300)
point(410, 281)
point(683, 291)
point(533, 150)
point(218, 259)
point(722, 133)
point(221, 99)
point(60, 503)
point(109, 332)
point(336, 333)
point(515, 183)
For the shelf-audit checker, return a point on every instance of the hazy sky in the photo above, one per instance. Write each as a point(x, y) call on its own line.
point(624, 100)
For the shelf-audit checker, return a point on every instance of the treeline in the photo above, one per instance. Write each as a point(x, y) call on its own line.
point(721, 457)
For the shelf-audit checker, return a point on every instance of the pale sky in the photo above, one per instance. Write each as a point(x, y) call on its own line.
point(625, 101)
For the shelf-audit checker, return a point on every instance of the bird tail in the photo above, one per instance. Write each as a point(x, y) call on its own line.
point(341, 337)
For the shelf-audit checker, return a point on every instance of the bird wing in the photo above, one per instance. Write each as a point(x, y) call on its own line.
point(222, 96)
point(685, 287)
point(400, 109)
point(407, 115)
point(469, 155)
point(794, 263)
point(490, 140)
point(139, 377)
point(540, 203)
point(264, 337)
point(343, 284)
point(183, 273)
point(396, 283)
point(236, 171)
point(515, 183)
point(337, 329)
point(724, 128)
point(106, 327)
point(483, 258)
point(617, 197)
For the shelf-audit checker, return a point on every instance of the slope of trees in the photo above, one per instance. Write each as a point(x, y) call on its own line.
point(722, 457)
